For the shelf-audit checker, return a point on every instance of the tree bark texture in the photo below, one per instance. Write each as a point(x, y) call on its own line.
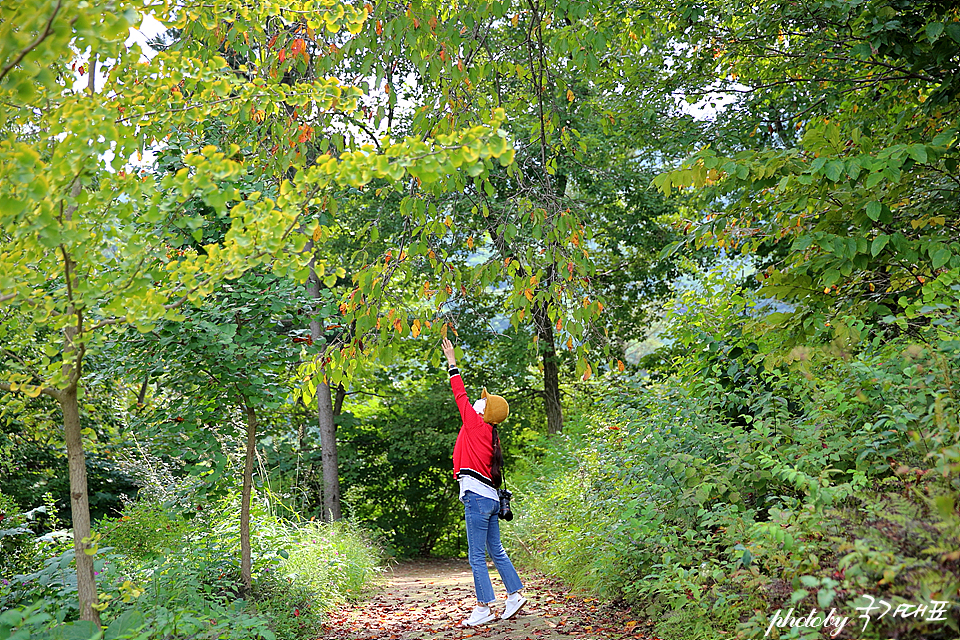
point(325, 421)
point(246, 574)
point(551, 370)
point(338, 400)
point(77, 465)
point(328, 453)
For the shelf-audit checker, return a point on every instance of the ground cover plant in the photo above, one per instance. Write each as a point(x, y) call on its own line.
point(170, 574)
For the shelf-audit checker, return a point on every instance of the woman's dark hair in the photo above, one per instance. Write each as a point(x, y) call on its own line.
point(496, 460)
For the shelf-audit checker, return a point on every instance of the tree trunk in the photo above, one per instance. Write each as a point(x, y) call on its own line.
point(338, 401)
point(70, 407)
point(325, 420)
point(246, 574)
point(551, 370)
point(328, 452)
point(77, 464)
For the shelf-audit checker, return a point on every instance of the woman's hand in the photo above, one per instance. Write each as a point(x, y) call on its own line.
point(447, 347)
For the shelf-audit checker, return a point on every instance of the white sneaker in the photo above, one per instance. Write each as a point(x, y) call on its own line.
point(514, 602)
point(480, 615)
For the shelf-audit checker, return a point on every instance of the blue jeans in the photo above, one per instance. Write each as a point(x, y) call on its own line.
point(483, 534)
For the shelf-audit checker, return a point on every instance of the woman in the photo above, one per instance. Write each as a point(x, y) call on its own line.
point(477, 466)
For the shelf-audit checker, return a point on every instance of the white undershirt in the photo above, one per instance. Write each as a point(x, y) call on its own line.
point(469, 483)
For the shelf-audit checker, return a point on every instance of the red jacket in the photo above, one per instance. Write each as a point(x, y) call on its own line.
point(474, 449)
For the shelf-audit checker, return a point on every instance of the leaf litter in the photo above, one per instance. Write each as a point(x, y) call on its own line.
point(428, 598)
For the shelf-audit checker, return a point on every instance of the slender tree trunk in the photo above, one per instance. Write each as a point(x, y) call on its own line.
point(547, 343)
point(77, 465)
point(79, 505)
point(551, 371)
point(325, 421)
point(246, 574)
point(70, 407)
point(328, 453)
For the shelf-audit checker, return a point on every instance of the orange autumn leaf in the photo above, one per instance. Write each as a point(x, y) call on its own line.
point(621, 367)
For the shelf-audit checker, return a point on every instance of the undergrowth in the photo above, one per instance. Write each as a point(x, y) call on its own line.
point(167, 573)
point(719, 495)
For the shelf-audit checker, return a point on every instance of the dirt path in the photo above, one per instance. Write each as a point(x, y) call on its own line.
point(429, 598)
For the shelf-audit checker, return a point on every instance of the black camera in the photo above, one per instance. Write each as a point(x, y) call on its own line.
point(505, 513)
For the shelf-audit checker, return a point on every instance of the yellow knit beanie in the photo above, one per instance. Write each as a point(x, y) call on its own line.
point(496, 410)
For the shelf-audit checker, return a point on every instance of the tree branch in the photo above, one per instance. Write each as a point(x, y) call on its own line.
point(33, 45)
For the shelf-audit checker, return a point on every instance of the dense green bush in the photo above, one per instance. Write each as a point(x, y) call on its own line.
point(398, 471)
point(811, 480)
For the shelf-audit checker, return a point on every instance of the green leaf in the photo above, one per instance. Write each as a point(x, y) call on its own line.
point(825, 597)
point(874, 179)
point(918, 152)
point(878, 244)
point(945, 506)
point(126, 625)
point(81, 630)
point(809, 581)
point(10, 206)
point(834, 170)
point(934, 29)
point(873, 209)
point(941, 257)
point(953, 30)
